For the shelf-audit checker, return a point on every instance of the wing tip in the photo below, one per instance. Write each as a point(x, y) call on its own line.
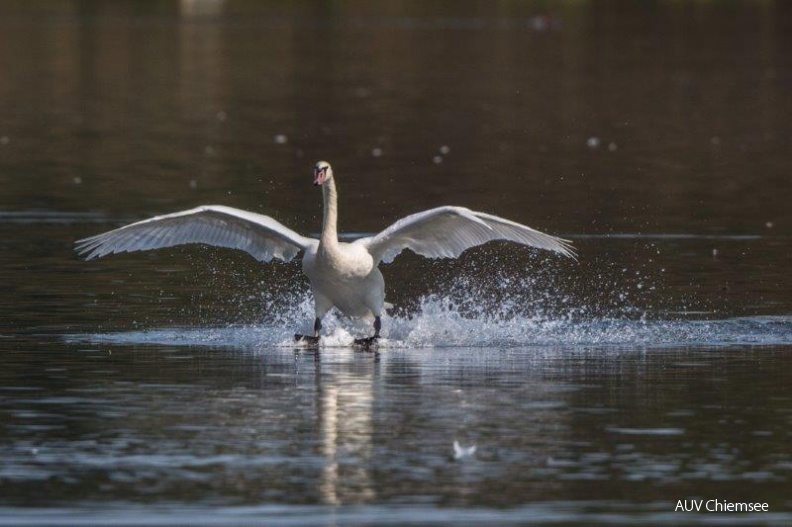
point(567, 249)
point(93, 247)
point(564, 247)
point(85, 249)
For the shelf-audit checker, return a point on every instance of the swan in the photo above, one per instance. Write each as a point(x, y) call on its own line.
point(342, 275)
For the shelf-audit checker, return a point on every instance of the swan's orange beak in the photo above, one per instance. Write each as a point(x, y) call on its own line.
point(320, 176)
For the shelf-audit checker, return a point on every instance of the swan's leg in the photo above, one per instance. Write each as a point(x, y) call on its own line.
point(375, 302)
point(321, 306)
point(371, 340)
point(308, 338)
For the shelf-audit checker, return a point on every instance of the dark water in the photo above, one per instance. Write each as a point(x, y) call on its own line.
point(161, 388)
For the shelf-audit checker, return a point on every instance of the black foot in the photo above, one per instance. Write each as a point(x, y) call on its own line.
point(306, 338)
point(367, 342)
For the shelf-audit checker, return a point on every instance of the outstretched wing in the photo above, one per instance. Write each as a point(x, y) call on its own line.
point(259, 235)
point(445, 232)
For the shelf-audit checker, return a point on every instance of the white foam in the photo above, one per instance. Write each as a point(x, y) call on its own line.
point(440, 322)
point(502, 311)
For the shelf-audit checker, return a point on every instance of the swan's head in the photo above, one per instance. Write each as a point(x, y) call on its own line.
point(322, 173)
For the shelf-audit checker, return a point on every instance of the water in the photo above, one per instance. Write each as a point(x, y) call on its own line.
point(163, 387)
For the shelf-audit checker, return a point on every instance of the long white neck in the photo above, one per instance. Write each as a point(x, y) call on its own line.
point(330, 220)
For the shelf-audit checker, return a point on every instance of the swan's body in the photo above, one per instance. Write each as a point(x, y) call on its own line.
point(342, 275)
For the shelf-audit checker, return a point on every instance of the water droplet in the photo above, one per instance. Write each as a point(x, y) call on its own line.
point(281, 139)
point(593, 142)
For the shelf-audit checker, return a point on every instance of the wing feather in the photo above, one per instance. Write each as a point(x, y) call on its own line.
point(446, 232)
point(261, 236)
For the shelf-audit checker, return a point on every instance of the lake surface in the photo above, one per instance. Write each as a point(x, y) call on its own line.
point(161, 388)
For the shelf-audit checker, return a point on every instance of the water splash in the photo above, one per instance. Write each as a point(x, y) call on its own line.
point(452, 320)
point(485, 303)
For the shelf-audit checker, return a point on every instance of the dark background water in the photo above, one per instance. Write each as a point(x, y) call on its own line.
point(154, 387)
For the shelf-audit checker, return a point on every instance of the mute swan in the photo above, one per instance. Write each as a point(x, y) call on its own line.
point(344, 275)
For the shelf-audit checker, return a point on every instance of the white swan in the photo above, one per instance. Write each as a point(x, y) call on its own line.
point(344, 275)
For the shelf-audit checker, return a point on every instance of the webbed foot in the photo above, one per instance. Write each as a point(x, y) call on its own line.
point(367, 342)
point(309, 339)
